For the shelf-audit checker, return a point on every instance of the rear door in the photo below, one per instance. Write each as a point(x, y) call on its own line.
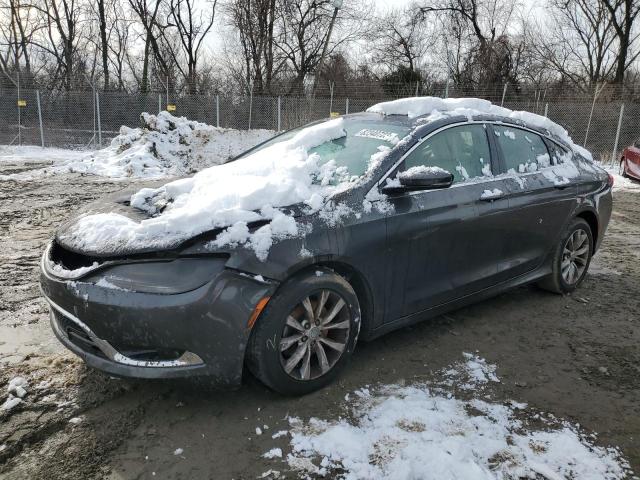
point(541, 197)
point(445, 244)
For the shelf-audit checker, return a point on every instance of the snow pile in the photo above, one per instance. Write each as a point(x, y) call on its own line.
point(620, 183)
point(229, 196)
point(163, 146)
point(438, 108)
point(422, 431)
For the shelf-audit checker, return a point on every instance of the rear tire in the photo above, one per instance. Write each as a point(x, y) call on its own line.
point(622, 170)
point(571, 258)
point(299, 344)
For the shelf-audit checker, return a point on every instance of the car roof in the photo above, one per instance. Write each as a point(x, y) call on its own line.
point(427, 127)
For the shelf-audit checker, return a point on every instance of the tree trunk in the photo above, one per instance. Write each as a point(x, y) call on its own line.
point(103, 39)
point(144, 81)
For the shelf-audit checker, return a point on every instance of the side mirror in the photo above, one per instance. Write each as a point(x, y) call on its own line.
point(419, 178)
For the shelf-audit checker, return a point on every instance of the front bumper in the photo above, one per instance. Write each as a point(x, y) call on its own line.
point(202, 332)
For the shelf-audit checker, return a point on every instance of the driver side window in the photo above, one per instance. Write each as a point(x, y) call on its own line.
point(462, 151)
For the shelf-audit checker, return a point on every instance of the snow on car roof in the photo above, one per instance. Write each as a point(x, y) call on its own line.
point(435, 108)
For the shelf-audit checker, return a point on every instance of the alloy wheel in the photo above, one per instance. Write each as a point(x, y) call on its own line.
point(575, 256)
point(315, 335)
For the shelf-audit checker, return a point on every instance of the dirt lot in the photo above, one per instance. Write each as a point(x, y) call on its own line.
point(577, 357)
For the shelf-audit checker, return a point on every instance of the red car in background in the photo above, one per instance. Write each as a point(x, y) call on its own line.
point(630, 161)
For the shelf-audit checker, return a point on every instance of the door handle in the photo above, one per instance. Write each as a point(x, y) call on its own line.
point(490, 195)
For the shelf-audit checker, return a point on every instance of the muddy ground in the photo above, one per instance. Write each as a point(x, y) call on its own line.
point(576, 356)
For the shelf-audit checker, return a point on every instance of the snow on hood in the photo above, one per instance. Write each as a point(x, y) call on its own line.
point(438, 107)
point(231, 195)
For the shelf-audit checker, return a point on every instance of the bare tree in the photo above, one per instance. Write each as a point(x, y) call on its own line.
point(60, 23)
point(482, 35)
point(578, 42)
point(192, 25)
point(623, 16)
point(147, 13)
point(255, 21)
point(17, 36)
point(104, 48)
point(119, 41)
point(303, 30)
point(400, 38)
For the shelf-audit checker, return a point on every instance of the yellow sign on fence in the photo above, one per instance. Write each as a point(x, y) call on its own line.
point(22, 103)
point(171, 107)
point(334, 114)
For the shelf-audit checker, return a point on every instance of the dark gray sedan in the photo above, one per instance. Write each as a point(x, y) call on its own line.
point(461, 209)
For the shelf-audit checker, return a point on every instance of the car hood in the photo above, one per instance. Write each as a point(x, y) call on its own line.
point(119, 203)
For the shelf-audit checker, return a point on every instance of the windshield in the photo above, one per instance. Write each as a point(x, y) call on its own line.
point(353, 151)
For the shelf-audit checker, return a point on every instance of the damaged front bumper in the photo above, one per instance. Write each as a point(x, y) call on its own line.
point(202, 332)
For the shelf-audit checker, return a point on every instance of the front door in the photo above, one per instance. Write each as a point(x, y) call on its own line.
point(445, 244)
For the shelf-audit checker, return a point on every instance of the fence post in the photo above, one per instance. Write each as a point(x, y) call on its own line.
point(19, 112)
point(593, 104)
point(504, 92)
point(159, 103)
point(331, 97)
point(615, 145)
point(279, 112)
point(546, 109)
point(250, 105)
point(40, 118)
point(167, 89)
point(98, 119)
point(346, 107)
point(217, 110)
point(417, 86)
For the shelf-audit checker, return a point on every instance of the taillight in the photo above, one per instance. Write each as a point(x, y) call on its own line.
point(611, 180)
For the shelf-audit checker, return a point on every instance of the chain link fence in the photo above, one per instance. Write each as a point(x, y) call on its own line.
point(90, 119)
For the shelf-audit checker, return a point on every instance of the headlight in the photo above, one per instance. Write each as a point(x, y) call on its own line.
point(176, 276)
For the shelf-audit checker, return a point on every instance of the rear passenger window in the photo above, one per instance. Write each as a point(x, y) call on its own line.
point(462, 151)
point(558, 153)
point(523, 151)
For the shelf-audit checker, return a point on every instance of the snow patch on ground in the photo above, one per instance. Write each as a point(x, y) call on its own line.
point(163, 146)
point(423, 431)
point(16, 390)
point(620, 182)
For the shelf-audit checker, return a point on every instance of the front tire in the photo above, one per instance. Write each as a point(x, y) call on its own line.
point(306, 333)
point(571, 258)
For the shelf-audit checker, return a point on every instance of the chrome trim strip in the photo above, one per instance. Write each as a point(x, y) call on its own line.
point(186, 359)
